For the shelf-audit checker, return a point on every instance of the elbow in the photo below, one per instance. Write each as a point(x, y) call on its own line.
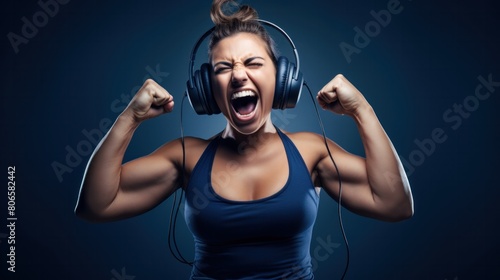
point(400, 214)
point(400, 209)
point(408, 210)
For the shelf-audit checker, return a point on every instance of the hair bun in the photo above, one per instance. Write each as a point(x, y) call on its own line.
point(225, 12)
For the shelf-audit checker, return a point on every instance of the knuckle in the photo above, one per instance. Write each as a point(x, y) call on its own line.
point(149, 81)
point(149, 85)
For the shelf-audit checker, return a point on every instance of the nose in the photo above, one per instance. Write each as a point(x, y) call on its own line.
point(239, 76)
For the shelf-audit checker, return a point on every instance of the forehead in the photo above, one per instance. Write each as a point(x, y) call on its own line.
point(239, 46)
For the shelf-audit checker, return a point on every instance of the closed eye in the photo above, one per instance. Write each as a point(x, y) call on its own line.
point(254, 62)
point(254, 65)
point(220, 70)
point(221, 67)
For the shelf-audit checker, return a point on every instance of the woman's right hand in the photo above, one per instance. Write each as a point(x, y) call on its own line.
point(150, 101)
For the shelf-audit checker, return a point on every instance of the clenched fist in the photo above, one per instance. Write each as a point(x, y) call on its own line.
point(341, 97)
point(150, 101)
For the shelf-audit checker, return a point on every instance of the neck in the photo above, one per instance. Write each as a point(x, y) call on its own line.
point(254, 139)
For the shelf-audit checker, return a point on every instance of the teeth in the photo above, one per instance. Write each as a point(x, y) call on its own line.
point(241, 94)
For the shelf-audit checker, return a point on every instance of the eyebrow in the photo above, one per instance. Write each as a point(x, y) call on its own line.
point(248, 60)
point(225, 63)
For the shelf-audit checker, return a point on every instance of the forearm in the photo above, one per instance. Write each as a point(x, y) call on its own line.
point(102, 176)
point(386, 175)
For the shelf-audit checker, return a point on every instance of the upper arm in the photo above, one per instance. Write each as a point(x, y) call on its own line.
point(357, 195)
point(146, 181)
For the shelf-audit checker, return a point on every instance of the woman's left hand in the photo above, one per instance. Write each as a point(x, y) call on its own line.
point(341, 97)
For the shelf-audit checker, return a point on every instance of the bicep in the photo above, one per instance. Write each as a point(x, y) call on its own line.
point(144, 183)
point(351, 175)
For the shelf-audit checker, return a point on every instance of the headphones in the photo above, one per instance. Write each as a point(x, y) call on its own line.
point(289, 80)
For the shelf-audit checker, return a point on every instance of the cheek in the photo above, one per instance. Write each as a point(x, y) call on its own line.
point(269, 86)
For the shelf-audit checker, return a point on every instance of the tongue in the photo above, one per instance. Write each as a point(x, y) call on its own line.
point(246, 109)
point(245, 105)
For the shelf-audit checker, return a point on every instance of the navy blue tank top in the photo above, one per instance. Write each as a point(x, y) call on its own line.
point(267, 238)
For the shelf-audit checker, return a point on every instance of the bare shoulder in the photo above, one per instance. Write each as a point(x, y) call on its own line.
point(307, 141)
point(193, 147)
point(191, 143)
point(311, 146)
point(304, 136)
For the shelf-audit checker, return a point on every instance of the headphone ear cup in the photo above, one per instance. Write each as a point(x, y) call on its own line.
point(194, 95)
point(206, 85)
point(199, 92)
point(294, 87)
point(281, 81)
point(288, 89)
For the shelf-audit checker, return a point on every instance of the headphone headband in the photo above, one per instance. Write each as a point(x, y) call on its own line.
point(265, 22)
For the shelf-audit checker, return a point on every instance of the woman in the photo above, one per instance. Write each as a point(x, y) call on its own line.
point(251, 190)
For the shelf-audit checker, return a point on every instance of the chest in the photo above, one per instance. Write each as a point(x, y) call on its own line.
point(247, 174)
point(282, 212)
point(269, 195)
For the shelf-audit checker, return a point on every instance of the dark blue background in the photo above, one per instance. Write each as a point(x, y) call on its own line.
point(72, 74)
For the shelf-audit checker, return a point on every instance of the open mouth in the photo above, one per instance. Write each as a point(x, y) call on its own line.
point(244, 102)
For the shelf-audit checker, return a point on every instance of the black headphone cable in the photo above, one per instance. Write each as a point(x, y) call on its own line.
point(322, 127)
point(176, 205)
